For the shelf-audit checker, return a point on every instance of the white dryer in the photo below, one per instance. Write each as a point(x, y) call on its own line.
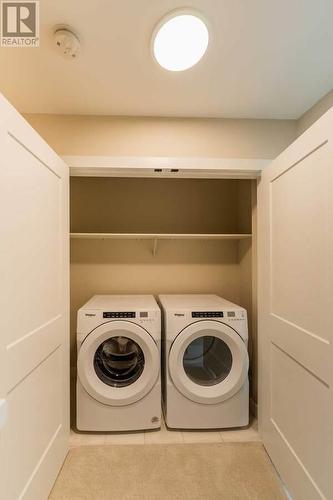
point(118, 363)
point(205, 362)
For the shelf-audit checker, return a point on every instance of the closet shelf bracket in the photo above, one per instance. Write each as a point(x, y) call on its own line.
point(155, 246)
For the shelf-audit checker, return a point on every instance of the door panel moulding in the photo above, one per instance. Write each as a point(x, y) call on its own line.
point(163, 166)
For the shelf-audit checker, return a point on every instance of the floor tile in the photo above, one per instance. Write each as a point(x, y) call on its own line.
point(201, 437)
point(78, 439)
point(163, 436)
point(72, 439)
point(242, 435)
point(254, 425)
point(125, 438)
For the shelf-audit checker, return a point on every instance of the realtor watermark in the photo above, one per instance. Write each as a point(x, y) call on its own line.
point(20, 23)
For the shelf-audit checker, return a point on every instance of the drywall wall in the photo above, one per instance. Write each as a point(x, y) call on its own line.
point(247, 258)
point(160, 205)
point(314, 113)
point(121, 136)
point(118, 267)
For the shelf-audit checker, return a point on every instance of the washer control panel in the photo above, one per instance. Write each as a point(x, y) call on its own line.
point(146, 318)
point(207, 314)
point(121, 314)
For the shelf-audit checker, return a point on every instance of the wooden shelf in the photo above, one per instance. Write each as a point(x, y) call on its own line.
point(155, 237)
point(159, 236)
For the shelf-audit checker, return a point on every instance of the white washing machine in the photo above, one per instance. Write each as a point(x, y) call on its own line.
point(205, 362)
point(118, 381)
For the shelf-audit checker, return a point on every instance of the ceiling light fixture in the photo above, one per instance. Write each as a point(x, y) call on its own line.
point(180, 40)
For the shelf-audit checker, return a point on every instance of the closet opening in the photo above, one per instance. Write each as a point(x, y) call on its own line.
point(163, 236)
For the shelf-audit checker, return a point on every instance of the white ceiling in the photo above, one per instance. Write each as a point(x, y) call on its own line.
point(266, 59)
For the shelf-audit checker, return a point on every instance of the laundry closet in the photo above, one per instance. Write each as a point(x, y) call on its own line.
point(171, 235)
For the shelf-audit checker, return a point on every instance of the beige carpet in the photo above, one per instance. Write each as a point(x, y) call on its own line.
point(158, 472)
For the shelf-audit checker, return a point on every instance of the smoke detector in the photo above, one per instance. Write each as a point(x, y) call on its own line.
point(67, 43)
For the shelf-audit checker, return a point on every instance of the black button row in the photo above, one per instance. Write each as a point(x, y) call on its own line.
point(118, 314)
point(207, 314)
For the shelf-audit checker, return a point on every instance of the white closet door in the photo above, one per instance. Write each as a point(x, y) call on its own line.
point(34, 338)
point(296, 312)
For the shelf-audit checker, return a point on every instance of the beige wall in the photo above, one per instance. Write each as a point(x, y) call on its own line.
point(158, 205)
point(112, 266)
point(118, 136)
point(115, 267)
point(314, 113)
point(136, 136)
point(247, 258)
point(119, 205)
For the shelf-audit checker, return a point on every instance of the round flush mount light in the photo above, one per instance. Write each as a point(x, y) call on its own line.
point(180, 40)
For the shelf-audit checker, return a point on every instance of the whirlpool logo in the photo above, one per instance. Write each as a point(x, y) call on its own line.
point(20, 23)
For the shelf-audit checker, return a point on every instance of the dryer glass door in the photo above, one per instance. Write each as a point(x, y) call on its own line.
point(208, 362)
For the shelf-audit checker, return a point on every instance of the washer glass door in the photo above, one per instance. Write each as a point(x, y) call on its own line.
point(119, 361)
point(208, 362)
